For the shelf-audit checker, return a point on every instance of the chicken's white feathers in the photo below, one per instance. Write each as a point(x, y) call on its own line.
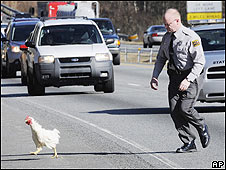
point(43, 137)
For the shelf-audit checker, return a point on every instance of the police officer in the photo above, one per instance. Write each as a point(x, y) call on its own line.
point(182, 48)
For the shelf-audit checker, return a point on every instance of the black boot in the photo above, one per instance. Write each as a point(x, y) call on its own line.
point(188, 147)
point(204, 136)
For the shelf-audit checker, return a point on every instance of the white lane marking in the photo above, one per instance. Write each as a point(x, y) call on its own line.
point(132, 143)
point(132, 84)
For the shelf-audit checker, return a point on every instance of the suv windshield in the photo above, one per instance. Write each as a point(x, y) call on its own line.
point(21, 32)
point(69, 34)
point(105, 27)
point(212, 39)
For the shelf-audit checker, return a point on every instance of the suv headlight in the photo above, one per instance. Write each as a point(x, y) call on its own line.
point(102, 57)
point(15, 49)
point(46, 59)
point(117, 42)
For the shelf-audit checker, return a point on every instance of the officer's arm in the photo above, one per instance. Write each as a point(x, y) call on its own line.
point(159, 64)
point(197, 55)
point(160, 59)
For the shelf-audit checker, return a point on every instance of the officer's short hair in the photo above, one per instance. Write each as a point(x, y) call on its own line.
point(174, 12)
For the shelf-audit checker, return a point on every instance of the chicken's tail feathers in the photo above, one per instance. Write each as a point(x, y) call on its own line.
point(56, 131)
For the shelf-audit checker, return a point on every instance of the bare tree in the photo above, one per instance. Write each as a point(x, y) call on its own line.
point(130, 16)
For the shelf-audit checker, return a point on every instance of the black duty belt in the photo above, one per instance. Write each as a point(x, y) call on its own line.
point(181, 72)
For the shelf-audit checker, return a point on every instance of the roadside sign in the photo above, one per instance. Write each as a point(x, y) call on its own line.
point(200, 16)
point(204, 6)
point(203, 10)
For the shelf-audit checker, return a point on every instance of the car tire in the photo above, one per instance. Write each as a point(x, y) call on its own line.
point(145, 45)
point(150, 45)
point(23, 72)
point(98, 87)
point(10, 71)
point(4, 72)
point(116, 59)
point(109, 86)
point(33, 87)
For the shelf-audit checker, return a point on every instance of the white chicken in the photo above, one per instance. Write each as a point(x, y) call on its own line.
point(43, 137)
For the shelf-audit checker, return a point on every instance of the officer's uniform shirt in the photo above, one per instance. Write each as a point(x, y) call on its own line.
point(188, 53)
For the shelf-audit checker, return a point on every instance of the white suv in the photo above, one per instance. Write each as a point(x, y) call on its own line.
point(64, 52)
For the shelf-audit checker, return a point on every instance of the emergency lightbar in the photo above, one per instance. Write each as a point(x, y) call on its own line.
point(62, 17)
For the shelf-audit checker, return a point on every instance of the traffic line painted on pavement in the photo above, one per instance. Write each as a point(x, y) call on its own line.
point(132, 143)
point(132, 84)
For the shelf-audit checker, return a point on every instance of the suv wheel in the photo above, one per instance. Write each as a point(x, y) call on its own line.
point(116, 59)
point(109, 86)
point(4, 72)
point(98, 87)
point(23, 72)
point(33, 87)
point(10, 71)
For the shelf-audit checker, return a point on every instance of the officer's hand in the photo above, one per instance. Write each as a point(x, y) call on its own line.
point(154, 83)
point(184, 85)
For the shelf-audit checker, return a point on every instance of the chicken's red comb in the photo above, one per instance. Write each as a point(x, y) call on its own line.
point(27, 117)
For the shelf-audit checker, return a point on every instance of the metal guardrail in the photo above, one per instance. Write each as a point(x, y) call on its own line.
point(139, 53)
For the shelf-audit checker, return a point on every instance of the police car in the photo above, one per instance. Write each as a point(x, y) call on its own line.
point(213, 42)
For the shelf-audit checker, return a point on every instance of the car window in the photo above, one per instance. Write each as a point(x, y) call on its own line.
point(21, 32)
point(105, 27)
point(69, 34)
point(8, 30)
point(212, 39)
point(149, 29)
point(158, 29)
point(3, 27)
point(35, 33)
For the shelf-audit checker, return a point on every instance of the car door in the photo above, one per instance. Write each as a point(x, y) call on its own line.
point(32, 51)
point(146, 35)
point(6, 42)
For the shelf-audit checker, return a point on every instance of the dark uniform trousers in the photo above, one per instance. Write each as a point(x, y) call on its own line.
point(182, 104)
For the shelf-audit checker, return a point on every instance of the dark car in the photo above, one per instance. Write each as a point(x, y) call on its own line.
point(17, 32)
point(108, 31)
point(153, 35)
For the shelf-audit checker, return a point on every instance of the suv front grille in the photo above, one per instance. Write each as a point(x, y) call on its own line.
point(75, 75)
point(74, 59)
point(213, 69)
point(216, 73)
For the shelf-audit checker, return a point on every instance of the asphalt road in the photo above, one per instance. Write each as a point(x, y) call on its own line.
point(130, 128)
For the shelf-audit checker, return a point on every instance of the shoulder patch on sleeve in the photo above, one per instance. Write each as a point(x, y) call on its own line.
point(196, 43)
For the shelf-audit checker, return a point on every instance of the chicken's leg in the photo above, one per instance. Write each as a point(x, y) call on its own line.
point(55, 153)
point(36, 152)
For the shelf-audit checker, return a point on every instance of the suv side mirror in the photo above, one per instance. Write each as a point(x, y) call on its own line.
point(109, 41)
point(30, 44)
